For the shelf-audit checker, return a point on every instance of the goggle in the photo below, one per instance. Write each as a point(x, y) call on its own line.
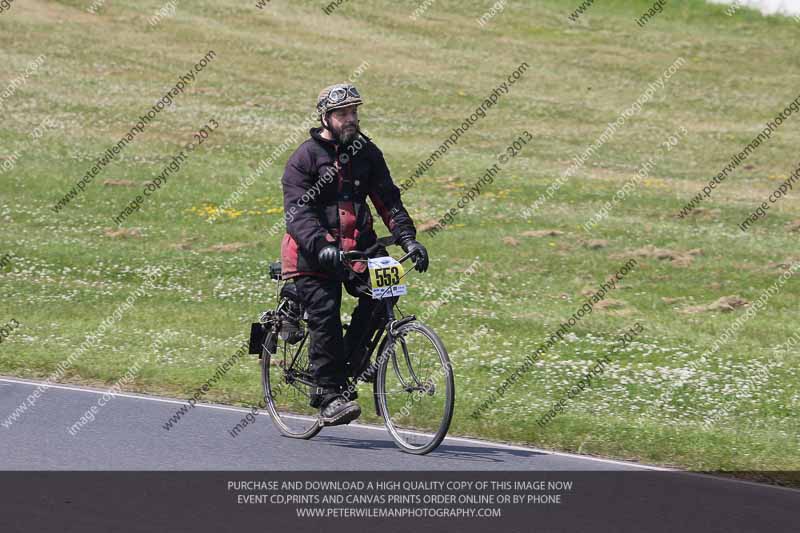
point(340, 93)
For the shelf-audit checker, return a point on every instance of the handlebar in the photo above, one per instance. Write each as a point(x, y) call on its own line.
point(359, 254)
point(364, 254)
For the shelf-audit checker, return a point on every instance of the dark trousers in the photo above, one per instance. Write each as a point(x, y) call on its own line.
point(334, 356)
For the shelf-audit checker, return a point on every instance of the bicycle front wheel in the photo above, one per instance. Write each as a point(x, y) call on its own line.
point(415, 388)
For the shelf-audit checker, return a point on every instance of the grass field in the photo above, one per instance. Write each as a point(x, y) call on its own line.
point(657, 401)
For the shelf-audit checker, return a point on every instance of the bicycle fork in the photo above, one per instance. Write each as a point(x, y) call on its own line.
point(391, 324)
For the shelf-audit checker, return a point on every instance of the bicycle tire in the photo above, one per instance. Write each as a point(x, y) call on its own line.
point(269, 398)
point(381, 395)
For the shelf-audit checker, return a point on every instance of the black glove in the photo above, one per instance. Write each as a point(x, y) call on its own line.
point(415, 247)
point(329, 258)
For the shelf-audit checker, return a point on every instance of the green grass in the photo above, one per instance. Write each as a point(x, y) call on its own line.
point(103, 71)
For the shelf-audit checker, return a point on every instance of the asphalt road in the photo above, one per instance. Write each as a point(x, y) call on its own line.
point(128, 434)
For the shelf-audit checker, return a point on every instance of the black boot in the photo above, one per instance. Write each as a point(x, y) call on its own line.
point(323, 394)
point(339, 411)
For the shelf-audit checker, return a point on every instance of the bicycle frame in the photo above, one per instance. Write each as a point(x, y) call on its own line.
point(383, 334)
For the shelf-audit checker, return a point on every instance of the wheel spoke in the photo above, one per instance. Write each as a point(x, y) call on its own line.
point(417, 411)
point(287, 389)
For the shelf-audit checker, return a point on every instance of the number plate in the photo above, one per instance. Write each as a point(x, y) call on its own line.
point(384, 276)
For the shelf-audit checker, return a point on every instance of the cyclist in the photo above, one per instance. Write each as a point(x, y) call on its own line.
point(325, 186)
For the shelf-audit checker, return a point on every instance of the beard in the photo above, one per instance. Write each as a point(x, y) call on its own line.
point(346, 134)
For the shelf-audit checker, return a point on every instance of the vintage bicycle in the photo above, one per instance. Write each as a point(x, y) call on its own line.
point(412, 378)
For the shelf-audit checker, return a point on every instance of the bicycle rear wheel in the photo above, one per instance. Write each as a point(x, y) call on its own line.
point(287, 387)
point(415, 388)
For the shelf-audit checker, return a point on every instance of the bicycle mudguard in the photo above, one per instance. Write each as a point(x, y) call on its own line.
point(375, 398)
point(405, 320)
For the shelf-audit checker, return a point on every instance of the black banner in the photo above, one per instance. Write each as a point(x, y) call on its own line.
point(616, 501)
